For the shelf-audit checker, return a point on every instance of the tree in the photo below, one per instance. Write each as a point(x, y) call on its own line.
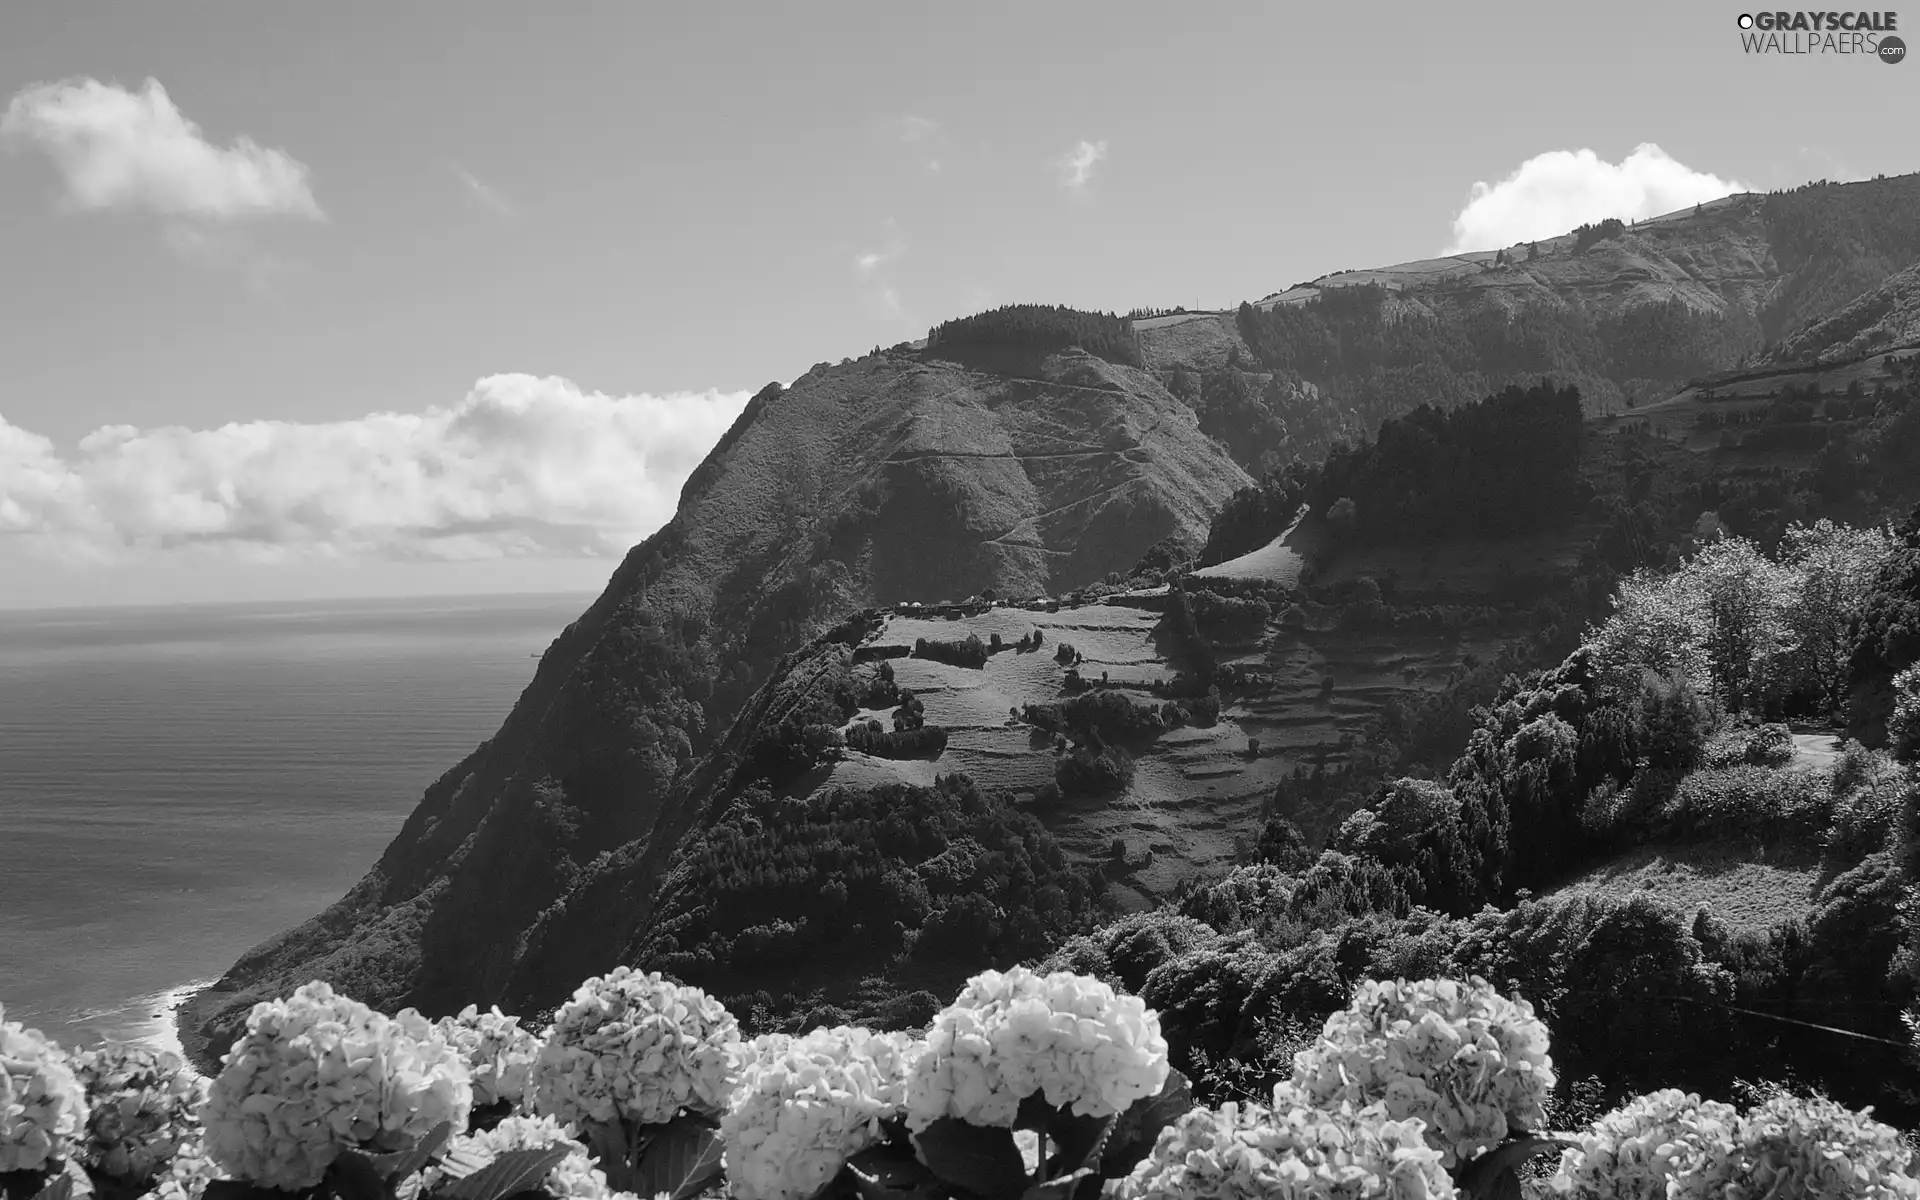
point(1835, 566)
point(1743, 597)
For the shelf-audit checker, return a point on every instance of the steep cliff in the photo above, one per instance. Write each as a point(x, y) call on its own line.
point(885, 479)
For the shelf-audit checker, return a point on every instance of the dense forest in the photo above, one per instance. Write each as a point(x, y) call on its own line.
point(825, 893)
point(1507, 464)
point(1654, 731)
point(1014, 336)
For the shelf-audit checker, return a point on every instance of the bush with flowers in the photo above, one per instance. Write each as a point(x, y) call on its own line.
point(43, 1105)
point(642, 1068)
point(143, 1108)
point(805, 1105)
point(1469, 1063)
point(1295, 1150)
point(499, 1053)
point(1028, 1086)
point(317, 1073)
point(1675, 1146)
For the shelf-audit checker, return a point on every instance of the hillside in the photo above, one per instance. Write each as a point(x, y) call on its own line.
point(695, 701)
point(863, 483)
point(1626, 313)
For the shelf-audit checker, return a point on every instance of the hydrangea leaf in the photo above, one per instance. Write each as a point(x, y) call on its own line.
point(37, 1185)
point(973, 1158)
point(507, 1175)
point(1136, 1130)
point(891, 1173)
point(403, 1163)
point(681, 1158)
point(1495, 1175)
point(1077, 1142)
point(355, 1176)
point(1062, 1188)
point(240, 1189)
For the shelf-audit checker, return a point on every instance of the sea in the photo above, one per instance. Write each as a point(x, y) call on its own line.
point(178, 784)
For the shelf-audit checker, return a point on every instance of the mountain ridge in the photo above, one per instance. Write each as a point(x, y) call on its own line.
point(902, 476)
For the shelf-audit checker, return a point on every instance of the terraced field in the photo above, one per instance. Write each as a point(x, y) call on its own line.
point(1197, 792)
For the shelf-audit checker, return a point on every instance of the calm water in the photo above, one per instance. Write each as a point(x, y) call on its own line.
point(178, 784)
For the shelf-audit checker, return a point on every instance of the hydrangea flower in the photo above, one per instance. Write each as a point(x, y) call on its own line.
point(1293, 1151)
point(1069, 1037)
point(805, 1105)
point(318, 1072)
point(1667, 1145)
point(637, 1047)
point(187, 1176)
point(1471, 1064)
point(1819, 1150)
point(43, 1107)
point(500, 1054)
point(143, 1107)
point(576, 1178)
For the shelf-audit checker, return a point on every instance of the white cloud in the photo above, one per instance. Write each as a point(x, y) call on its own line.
point(485, 194)
point(865, 263)
point(912, 129)
point(1076, 165)
point(1549, 194)
point(136, 151)
point(521, 466)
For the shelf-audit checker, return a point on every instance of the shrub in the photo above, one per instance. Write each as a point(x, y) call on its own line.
point(923, 741)
point(967, 652)
point(1749, 745)
point(1086, 772)
point(1749, 803)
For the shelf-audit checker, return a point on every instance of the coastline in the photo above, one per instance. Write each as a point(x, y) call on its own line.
point(191, 1007)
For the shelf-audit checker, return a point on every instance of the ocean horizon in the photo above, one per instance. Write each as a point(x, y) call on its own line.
point(180, 783)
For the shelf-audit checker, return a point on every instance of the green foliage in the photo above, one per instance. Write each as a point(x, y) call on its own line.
point(788, 893)
point(1014, 335)
point(1749, 804)
point(969, 651)
point(1886, 635)
point(868, 737)
point(1086, 771)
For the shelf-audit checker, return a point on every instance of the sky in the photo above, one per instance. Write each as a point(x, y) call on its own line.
point(375, 299)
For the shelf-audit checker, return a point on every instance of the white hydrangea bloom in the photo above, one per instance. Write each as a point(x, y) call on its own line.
point(318, 1072)
point(143, 1107)
point(634, 1046)
point(1468, 1062)
point(805, 1105)
point(576, 1178)
point(1667, 1145)
point(43, 1107)
point(500, 1054)
point(1817, 1149)
point(1293, 1151)
point(187, 1176)
point(1069, 1037)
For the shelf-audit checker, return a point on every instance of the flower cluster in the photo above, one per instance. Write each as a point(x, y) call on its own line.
point(499, 1054)
point(1471, 1064)
point(318, 1072)
point(187, 1176)
point(1634, 1152)
point(576, 1178)
point(1294, 1151)
point(1821, 1150)
point(1069, 1037)
point(635, 1047)
point(805, 1105)
point(43, 1107)
point(1674, 1146)
point(144, 1106)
